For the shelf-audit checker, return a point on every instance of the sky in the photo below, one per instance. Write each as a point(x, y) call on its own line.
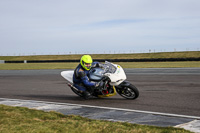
point(42, 27)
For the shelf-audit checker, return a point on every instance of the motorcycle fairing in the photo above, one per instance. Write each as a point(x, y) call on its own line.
point(117, 77)
point(68, 75)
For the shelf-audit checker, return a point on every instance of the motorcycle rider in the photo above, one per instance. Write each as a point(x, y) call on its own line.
point(80, 77)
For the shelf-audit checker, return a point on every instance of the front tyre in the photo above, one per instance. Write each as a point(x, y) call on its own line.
point(128, 92)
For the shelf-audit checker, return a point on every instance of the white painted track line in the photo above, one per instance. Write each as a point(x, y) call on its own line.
point(192, 124)
point(120, 109)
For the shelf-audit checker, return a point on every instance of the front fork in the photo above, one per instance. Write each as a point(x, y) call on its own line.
point(107, 90)
point(109, 94)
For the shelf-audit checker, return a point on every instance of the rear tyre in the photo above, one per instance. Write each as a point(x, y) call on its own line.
point(128, 92)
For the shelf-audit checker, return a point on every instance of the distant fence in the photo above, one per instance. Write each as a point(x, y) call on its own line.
point(110, 60)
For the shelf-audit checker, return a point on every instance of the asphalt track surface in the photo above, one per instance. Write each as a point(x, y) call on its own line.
point(173, 90)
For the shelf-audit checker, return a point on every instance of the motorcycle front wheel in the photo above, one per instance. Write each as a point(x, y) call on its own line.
point(128, 92)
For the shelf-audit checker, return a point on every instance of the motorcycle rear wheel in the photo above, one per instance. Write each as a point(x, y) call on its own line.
point(128, 92)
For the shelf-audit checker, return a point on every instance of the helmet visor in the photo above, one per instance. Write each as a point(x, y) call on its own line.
point(88, 65)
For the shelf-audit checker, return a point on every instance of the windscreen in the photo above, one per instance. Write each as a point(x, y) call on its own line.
point(109, 67)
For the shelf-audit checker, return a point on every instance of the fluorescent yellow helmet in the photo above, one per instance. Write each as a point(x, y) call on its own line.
point(86, 62)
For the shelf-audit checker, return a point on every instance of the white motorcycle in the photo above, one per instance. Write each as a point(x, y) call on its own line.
point(114, 79)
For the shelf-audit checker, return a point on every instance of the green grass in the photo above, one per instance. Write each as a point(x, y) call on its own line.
point(160, 64)
point(24, 120)
point(23, 66)
point(106, 56)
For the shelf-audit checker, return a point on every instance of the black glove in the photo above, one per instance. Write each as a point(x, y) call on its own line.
point(100, 65)
point(97, 65)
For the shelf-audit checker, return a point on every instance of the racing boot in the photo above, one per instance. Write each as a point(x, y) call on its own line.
point(86, 95)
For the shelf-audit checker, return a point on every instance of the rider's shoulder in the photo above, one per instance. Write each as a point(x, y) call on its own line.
point(81, 70)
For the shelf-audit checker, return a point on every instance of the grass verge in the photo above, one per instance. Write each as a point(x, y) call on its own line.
point(24, 66)
point(23, 120)
point(189, 54)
